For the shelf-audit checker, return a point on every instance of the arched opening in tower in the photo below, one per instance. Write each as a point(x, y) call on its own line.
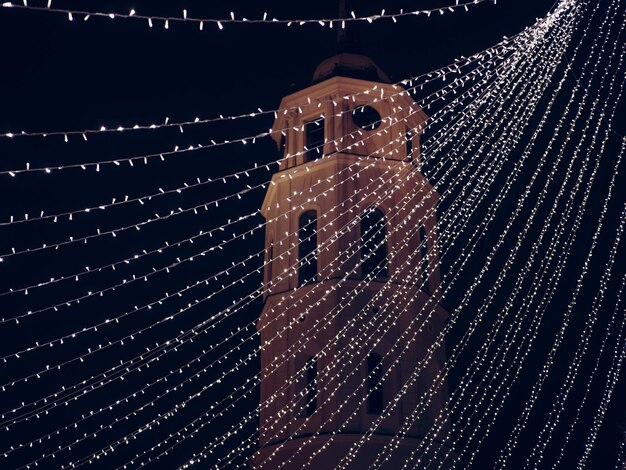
point(307, 247)
point(373, 244)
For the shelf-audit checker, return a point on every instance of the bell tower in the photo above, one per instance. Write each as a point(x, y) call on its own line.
point(351, 304)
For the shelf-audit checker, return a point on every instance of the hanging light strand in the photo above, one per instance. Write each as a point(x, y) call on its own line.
point(508, 306)
point(504, 46)
point(238, 19)
point(172, 213)
point(496, 385)
point(494, 53)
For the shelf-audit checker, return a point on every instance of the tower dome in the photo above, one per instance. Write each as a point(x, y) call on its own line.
point(350, 65)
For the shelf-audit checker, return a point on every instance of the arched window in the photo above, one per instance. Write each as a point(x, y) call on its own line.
point(424, 260)
point(282, 146)
point(409, 144)
point(314, 138)
point(270, 262)
point(306, 395)
point(307, 248)
point(373, 243)
point(375, 397)
point(311, 386)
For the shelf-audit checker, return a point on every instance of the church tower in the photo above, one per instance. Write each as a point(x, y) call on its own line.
point(351, 305)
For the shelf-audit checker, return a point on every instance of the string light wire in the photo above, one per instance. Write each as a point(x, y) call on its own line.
point(236, 19)
point(535, 284)
point(453, 67)
point(136, 226)
point(609, 388)
point(494, 52)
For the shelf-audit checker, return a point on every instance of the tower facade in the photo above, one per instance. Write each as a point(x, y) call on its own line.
point(351, 309)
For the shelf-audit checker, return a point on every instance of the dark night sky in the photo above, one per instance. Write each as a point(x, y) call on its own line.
point(58, 75)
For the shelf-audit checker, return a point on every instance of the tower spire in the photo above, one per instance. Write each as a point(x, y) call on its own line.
point(347, 40)
point(349, 60)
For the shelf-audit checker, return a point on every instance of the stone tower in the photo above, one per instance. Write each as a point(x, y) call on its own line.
point(351, 276)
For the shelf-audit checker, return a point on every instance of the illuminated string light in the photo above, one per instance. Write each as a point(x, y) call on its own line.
point(584, 341)
point(154, 270)
point(511, 443)
point(235, 19)
point(138, 226)
point(454, 67)
point(412, 417)
point(613, 377)
point(516, 360)
point(143, 158)
point(488, 374)
point(106, 450)
point(140, 276)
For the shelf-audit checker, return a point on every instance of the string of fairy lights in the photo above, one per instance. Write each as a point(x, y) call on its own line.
point(209, 233)
point(494, 147)
point(75, 333)
point(521, 424)
point(534, 284)
point(195, 209)
point(418, 409)
point(113, 265)
point(330, 22)
point(596, 303)
point(613, 375)
point(442, 72)
point(556, 276)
